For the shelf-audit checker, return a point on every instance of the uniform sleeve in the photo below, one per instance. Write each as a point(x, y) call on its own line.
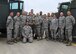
point(20, 18)
point(36, 21)
point(50, 23)
point(14, 20)
point(57, 22)
point(73, 20)
point(23, 34)
point(8, 21)
point(64, 22)
point(30, 32)
point(21, 21)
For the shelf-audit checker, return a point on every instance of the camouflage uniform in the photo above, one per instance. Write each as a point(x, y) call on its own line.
point(45, 24)
point(50, 21)
point(34, 26)
point(27, 34)
point(69, 22)
point(9, 26)
point(23, 20)
point(29, 18)
point(22, 23)
point(38, 26)
point(61, 27)
point(53, 28)
point(16, 26)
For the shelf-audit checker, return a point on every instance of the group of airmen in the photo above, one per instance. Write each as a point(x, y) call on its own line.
point(28, 26)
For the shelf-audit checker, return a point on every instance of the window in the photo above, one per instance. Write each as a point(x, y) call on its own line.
point(21, 6)
point(16, 5)
point(65, 7)
point(10, 5)
point(13, 5)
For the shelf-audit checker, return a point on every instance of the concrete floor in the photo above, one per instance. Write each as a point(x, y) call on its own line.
point(37, 47)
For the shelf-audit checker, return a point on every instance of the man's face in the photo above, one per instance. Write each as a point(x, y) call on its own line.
point(11, 14)
point(23, 13)
point(18, 14)
point(48, 14)
point(52, 15)
point(68, 13)
point(41, 13)
point(29, 13)
point(61, 14)
point(37, 14)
